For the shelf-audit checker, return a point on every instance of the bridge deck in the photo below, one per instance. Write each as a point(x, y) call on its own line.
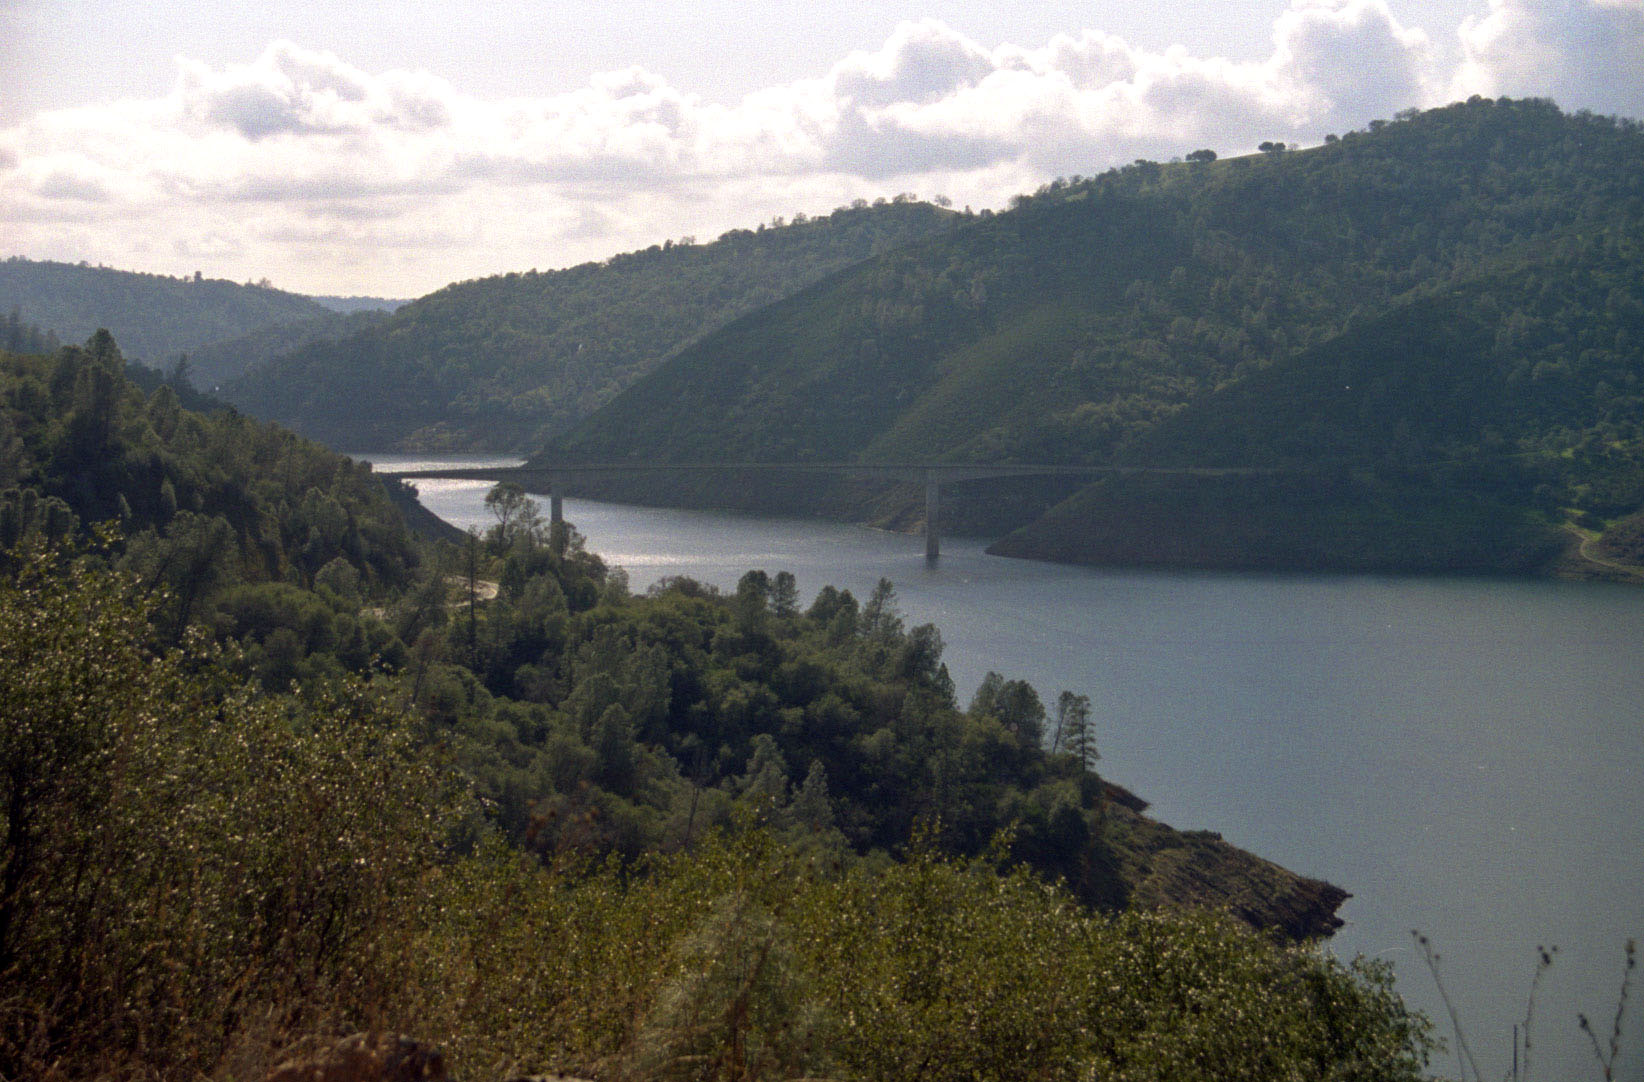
point(554, 477)
point(940, 472)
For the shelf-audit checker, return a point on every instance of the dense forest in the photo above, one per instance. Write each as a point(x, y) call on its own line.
point(501, 363)
point(217, 364)
point(155, 317)
point(1441, 313)
point(275, 765)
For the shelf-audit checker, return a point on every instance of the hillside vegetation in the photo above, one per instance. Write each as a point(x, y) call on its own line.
point(155, 317)
point(1459, 285)
point(217, 364)
point(272, 768)
point(500, 363)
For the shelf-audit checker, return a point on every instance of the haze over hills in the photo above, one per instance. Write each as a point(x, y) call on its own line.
point(350, 305)
point(154, 316)
point(218, 363)
point(500, 363)
point(1191, 312)
point(157, 318)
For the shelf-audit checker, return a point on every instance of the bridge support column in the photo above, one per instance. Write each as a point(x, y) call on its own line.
point(933, 508)
point(556, 505)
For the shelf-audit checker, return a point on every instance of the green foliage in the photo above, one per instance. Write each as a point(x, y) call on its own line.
point(500, 363)
point(221, 360)
point(156, 316)
point(560, 826)
point(754, 963)
point(19, 336)
point(1457, 286)
point(205, 500)
point(180, 857)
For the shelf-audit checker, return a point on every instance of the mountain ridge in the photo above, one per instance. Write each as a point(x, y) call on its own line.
point(1073, 326)
point(496, 363)
point(155, 317)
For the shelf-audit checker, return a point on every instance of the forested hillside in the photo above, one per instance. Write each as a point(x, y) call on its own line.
point(217, 364)
point(1458, 284)
point(566, 694)
point(501, 363)
point(273, 765)
point(154, 317)
point(1459, 431)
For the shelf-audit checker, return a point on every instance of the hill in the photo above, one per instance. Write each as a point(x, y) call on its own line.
point(500, 363)
point(1456, 432)
point(1078, 326)
point(154, 316)
point(352, 304)
point(266, 774)
point(588, 719)
point(217, 364)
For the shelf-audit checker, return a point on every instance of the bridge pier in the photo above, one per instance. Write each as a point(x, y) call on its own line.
point(933, 508)
point(904, 473)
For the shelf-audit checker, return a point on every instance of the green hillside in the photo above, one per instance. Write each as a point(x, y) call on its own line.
point(153, 316)
point(219, 363)
point(1454, 433)
point(500, 363)
point(273, 769)
point(1471, 272)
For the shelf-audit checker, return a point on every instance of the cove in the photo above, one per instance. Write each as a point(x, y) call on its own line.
point(1466, 756)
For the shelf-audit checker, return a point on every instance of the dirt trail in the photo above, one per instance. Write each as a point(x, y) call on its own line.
point(1585, 550)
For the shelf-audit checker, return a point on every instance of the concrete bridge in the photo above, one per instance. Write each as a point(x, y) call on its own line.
point(552, 479)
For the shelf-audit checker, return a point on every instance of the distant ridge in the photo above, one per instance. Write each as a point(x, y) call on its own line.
point(1287, 307)
point(498, 364)
point(155, 317)
point(350, 305)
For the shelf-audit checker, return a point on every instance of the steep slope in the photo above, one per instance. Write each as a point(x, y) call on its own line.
point(218, 363)
point(154, 317)
point(567, 703)
point(1072, 326)
point(501, 362)
point(1452, 433)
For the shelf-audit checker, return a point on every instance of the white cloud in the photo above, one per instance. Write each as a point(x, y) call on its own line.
point(922, 62)
point(291, 90)
point(1347, 61)
point(332, 178)
point(1584, 54)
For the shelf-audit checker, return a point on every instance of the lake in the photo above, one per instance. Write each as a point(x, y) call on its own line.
point(1465, 755)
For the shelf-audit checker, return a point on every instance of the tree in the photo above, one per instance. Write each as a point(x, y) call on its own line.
point(517, 514)
point(811, 807)
point(1205, 155)
point(753, 593)
point(879, 616)
point(765, 783)
point(1073, 728)
point(1012, 703)
point(784, 594)
point(181, 374)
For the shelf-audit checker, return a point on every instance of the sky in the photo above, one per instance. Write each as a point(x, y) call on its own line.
point(390, 148)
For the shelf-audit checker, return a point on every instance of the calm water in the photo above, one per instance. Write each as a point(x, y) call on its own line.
point(1465, 756)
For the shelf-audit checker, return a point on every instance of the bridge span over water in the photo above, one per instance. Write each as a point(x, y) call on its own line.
point(552, 479)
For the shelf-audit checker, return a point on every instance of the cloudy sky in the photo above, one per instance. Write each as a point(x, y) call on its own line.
point(391, 147)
